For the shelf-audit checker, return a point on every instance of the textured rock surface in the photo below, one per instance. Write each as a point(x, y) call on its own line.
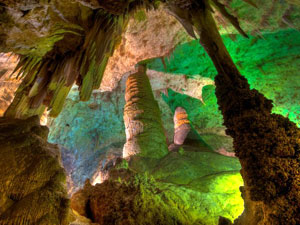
point(142, 118)
point(8, 85)
point(266, 144)
point(32, 26)
point(89, 133)
point(88, 130)
point(32, 187)
point(92, 133)
point(145, 38)
point(194, 195)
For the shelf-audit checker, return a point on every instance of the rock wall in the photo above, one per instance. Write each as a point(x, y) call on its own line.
point(8, 85)
point(32, 188)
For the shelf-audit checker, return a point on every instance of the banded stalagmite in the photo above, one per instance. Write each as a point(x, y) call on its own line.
point(144, 131)
point(181, 128)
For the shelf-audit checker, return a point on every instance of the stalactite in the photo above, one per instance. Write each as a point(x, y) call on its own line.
point(47, 80)
point(144, 131)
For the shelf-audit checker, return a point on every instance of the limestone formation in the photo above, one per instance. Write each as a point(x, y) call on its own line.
point(181, 126)
point(190, 189)
point(32, 187)
point(65, 42)
point(144, 131)
point(8, 84)
point(267, 144)
point(60, 43)
point(105, 203)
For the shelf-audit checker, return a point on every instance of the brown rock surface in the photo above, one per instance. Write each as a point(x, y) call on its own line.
point(144, 38)
point(106, 204)
point(8, 85)
point(32, 186)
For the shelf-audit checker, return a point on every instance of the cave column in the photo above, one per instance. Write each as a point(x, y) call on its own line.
point(143, 126)
point(266, 144)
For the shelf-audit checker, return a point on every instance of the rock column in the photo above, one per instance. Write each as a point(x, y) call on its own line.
point(268, 145)
point(144, 131)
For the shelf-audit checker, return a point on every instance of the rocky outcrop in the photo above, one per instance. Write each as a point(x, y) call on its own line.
point(144, 38)
point(142, 118)
point(183, 188)
point(32, 188)
point(268, 148)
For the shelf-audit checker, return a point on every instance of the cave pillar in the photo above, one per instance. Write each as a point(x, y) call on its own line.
point(143, 126)
point(267, 145)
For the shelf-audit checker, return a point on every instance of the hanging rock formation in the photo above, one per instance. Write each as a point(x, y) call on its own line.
point(32, 187)
point(267, 144)
point(144, 131)
point(72, 43)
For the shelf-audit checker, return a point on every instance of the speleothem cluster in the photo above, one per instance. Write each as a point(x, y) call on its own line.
point(267, 145)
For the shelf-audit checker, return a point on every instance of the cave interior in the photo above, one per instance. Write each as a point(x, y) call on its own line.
point(149, 112)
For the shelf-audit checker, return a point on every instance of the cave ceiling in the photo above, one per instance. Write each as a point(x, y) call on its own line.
point(60, 43)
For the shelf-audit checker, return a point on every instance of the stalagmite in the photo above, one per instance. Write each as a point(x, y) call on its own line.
point(268, 145)
point(144, 131)
point(181, 126)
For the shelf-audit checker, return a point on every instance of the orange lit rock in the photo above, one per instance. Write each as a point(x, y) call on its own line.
point(182, 125)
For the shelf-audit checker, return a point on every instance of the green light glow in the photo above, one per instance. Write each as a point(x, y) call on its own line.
point(271, 65)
